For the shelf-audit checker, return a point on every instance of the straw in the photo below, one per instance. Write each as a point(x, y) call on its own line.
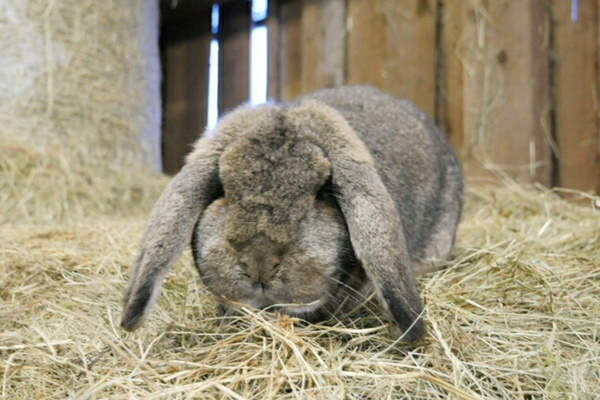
point(514, 315)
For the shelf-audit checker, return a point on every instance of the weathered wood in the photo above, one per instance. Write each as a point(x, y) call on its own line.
point(392, 45)
point(366, 44)
point(235, 22)
point(575, 91)
point(323, 42)
point(411, 50)
point(290, 67)
point(506, 91)
point(493, 72)
point(186, 58)
point(334, 47)
point(274, 45)
point(311, 45)
point(450, 112)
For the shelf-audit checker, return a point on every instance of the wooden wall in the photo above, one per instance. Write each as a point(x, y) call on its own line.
point(186, 35)
point(513, 83)
point(185, 58)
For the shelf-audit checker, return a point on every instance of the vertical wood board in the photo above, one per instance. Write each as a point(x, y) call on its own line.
point(311, 20)
point(392, 45)
point(290, 64)
point(366, 43)
point(186, 95)
point(234, 54)
point(506, 92)
point(575, 91)
point(451, 101)
point(323, 29)
point(334, 46)
point(411, 50)
point(274, 48)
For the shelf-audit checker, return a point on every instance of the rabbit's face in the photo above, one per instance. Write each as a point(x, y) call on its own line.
point(264, 236)
point(297, 277)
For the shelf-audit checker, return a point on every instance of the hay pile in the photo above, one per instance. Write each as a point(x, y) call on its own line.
point(79, 108)
point(45, 182)
point(516, 315)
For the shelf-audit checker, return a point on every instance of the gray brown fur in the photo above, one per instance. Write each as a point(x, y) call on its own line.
point(304, 207)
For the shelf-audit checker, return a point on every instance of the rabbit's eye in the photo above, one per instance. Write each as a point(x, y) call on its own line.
point(244, 270)
point(217, 191)
point(326, 191)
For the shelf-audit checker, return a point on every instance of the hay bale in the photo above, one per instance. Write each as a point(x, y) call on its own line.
point(515, 315)
point(80, 111)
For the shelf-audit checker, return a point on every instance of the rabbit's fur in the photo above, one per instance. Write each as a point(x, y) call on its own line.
point(306, 206)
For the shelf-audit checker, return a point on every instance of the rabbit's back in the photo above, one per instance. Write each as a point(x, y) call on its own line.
point(414, 160)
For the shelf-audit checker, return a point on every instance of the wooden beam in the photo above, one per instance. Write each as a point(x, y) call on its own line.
point(312, 45)
point(186, 55)
point(290, 67)
point(393, 45)
point(575, 95)
point(366, 44)
point(234, 54)
point(451, 101)
point(274, 45)
point(411, 50)
point(506, 91)
point(323, 28)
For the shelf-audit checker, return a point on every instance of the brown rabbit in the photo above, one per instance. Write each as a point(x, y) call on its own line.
point(301, 206)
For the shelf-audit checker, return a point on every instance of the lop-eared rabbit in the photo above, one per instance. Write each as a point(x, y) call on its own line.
point(307, 206)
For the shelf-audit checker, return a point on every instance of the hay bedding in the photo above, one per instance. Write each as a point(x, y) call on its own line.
point(515, 315)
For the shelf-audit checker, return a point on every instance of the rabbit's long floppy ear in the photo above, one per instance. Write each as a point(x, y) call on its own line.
point(370, 213)
point(169, 230)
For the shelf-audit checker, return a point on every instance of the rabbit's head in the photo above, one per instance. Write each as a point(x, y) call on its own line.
point(283, 206)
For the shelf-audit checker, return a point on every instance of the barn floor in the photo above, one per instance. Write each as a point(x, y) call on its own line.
point(516, 315)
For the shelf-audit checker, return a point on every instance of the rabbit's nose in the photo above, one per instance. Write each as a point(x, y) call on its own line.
point(260, 286)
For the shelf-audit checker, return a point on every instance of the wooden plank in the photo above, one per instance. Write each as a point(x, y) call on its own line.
point(575, 91)
point(311, 45)
point(392, 45)
point(450, 111)
point(411, 50)
point(323, 28)
point(333, 54)
point(186, 58)
point(235, 22)
point(366, 44)
point(506, 91)
point(274, 45)
point(290, 64)
point(540, 152)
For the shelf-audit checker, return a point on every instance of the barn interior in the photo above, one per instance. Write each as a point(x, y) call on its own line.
point(102, 100)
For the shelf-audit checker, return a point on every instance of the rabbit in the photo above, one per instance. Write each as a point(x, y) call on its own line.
point(304, 206)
